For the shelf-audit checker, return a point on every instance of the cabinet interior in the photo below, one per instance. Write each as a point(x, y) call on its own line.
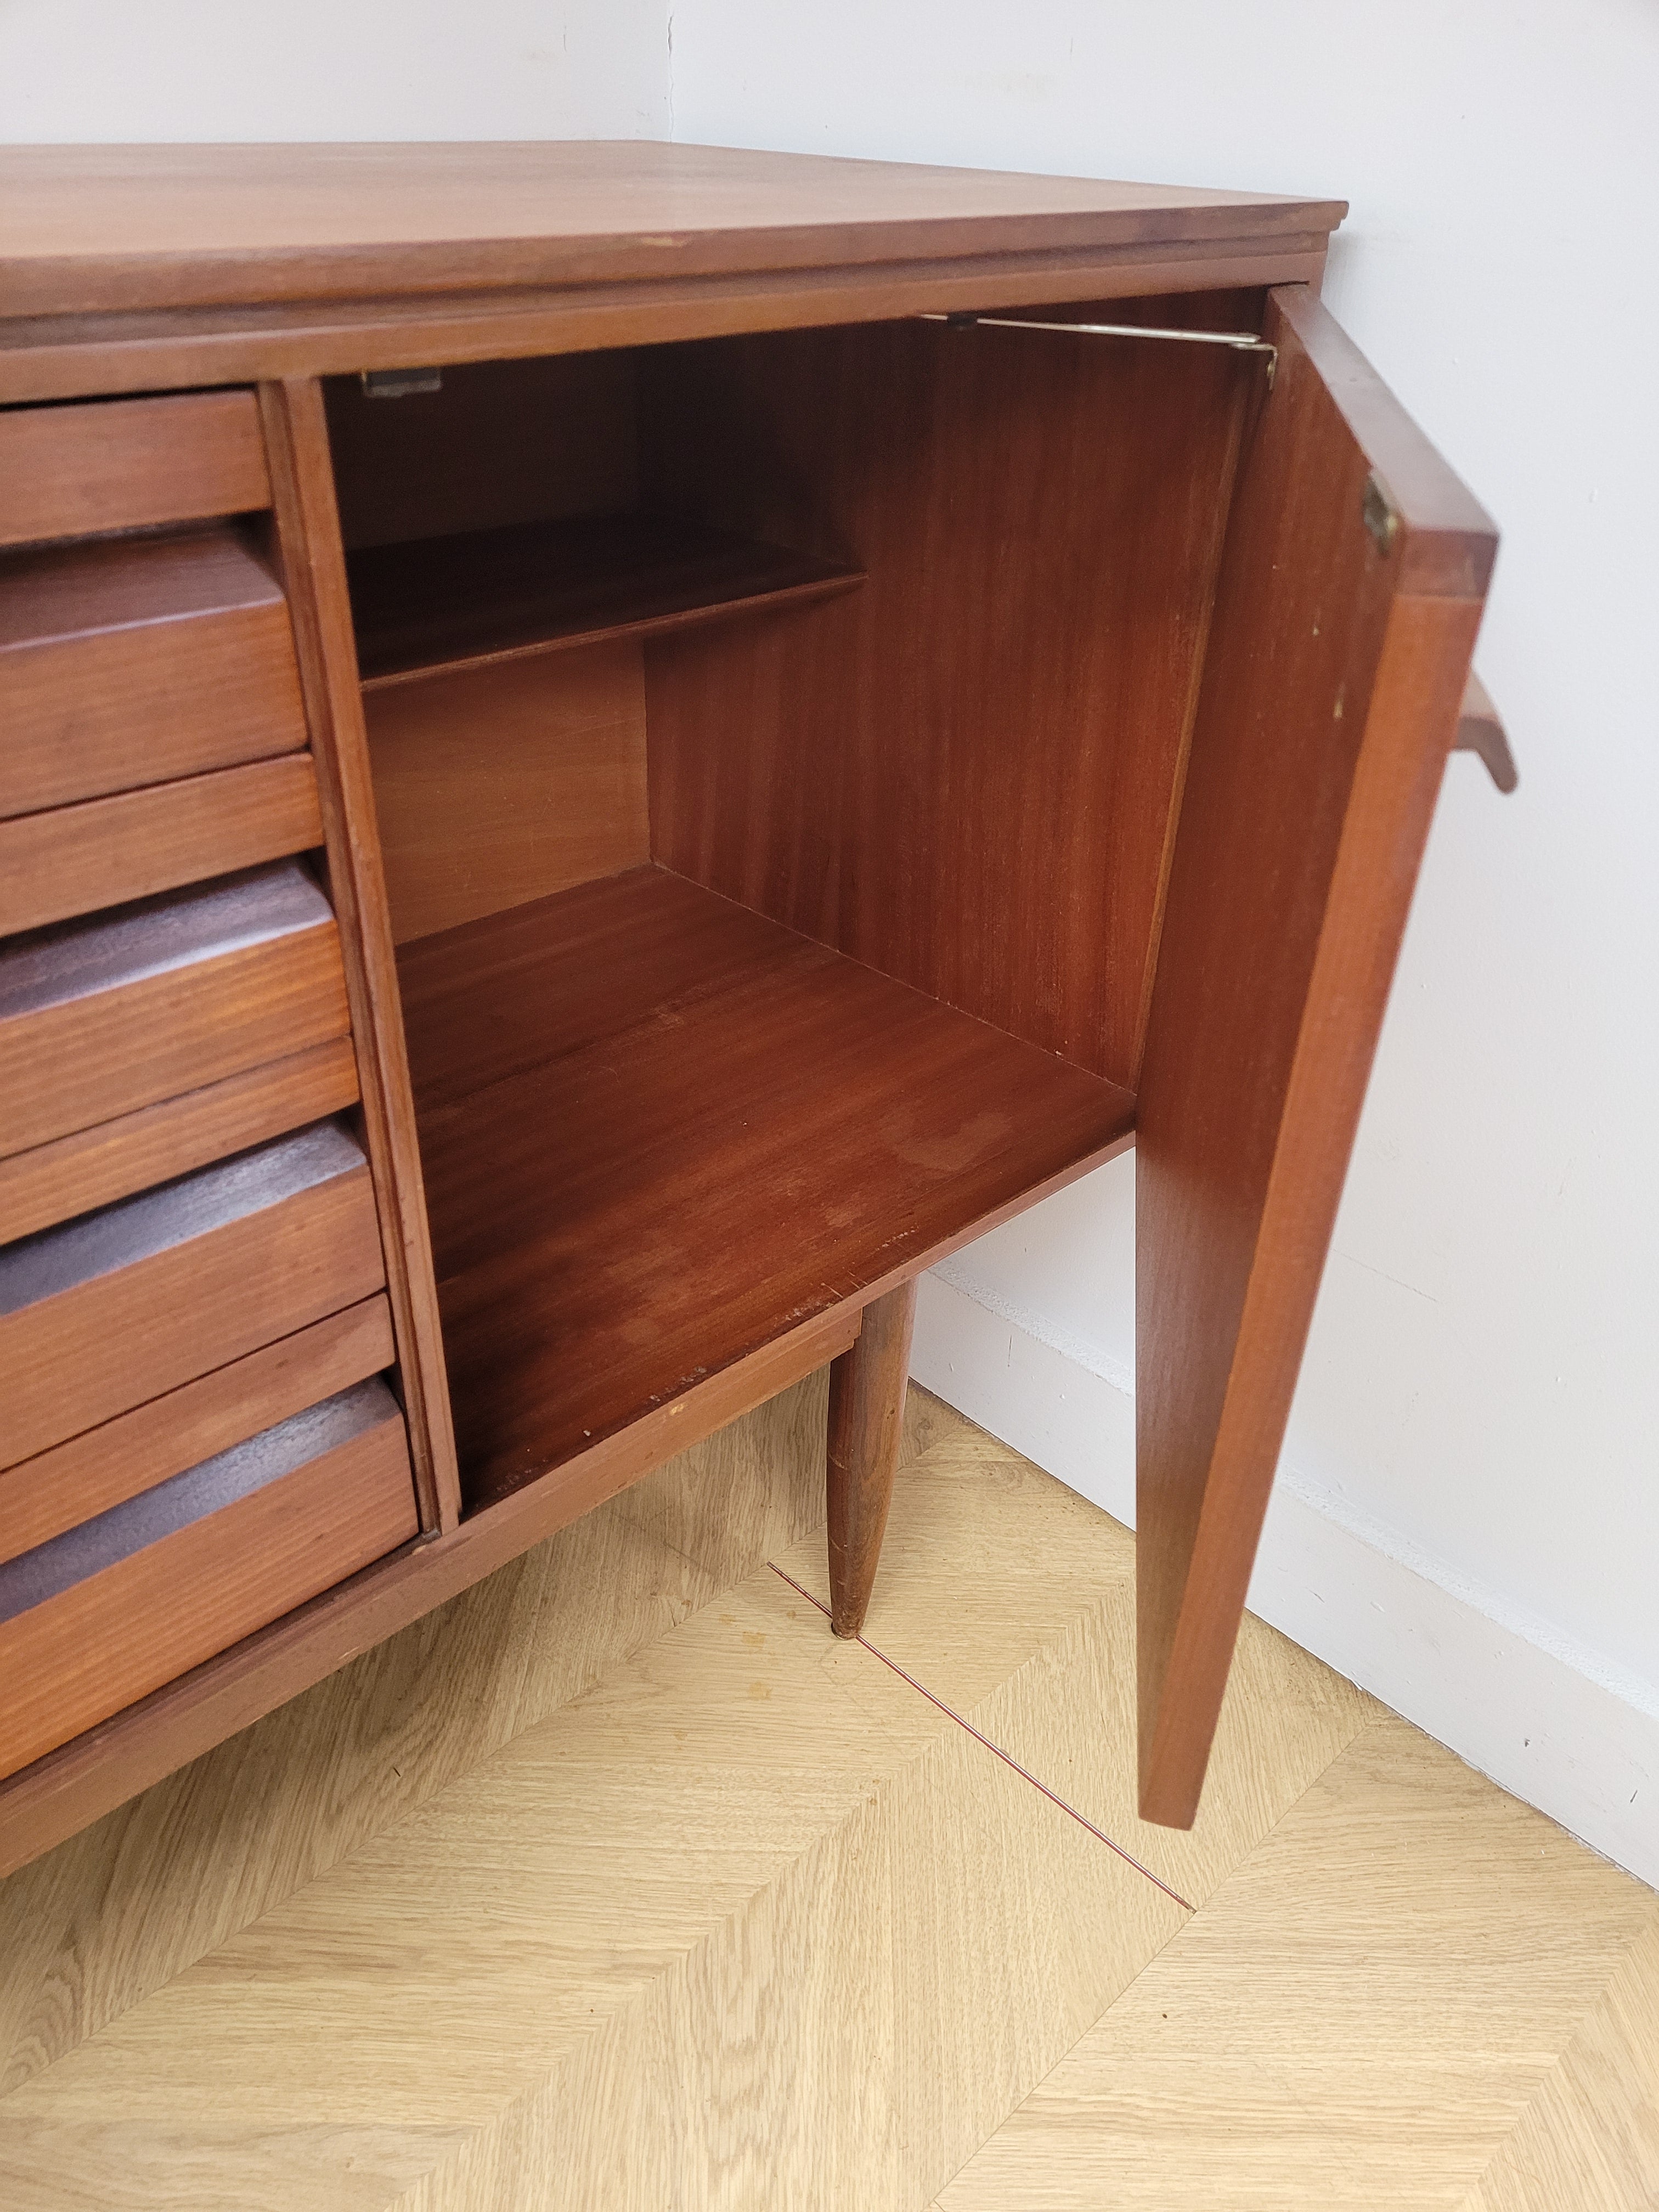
point(776, 741)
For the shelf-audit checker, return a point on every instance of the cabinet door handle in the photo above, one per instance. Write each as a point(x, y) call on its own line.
point(1480, 730)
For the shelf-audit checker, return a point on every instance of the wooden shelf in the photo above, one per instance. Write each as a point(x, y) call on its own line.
point(658, 1132)
point(489, 595)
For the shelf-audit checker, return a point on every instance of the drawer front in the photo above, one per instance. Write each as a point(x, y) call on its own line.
point(108, 1311)
point(100, 1018)
point(72, 471)
point(95, 1167)
point(128, 663)
point(101, 1616)
point(107, 852)
point(79, 1480)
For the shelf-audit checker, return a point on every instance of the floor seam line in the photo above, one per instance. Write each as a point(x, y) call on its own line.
point(979, 1736)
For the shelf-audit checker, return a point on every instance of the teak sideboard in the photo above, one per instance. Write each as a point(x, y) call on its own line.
point(608, 750)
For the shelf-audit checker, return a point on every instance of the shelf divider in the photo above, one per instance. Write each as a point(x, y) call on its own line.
point(492, 595)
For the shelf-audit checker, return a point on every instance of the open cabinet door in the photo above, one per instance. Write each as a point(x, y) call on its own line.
point(1350, 591)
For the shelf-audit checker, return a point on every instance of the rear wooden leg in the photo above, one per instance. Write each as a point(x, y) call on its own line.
point(866, 1412)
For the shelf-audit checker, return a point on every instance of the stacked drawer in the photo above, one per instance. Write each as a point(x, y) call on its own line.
point(195, 1435)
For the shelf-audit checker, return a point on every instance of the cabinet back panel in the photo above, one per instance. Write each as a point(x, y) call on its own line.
point(503, 442)
point(497, 786)
point(964, 775)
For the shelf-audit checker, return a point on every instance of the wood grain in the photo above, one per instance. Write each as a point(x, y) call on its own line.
point(97, 229)
point(1013, 1598)
point(267, 1811)
point(486, 596)
point(782, 1934)
point(313, 569)
point(1390, 1983)
point(660, 1131)
point(1448, 542)
point(159, 1584)
point(110, 1311)
point(52, 357)
point(868, 1387)
point(85, 1476)
point(855, 258)
point(827, 1941)
point(1590, 2134)
point(504, 784)
point(503, 442)
point(1330, 693)
point(128, 465)
point(136, 660)
point(93, 1167)
point(105, 851)
point(963, 774)
point(102, 1016)
point(35, 1579)
point(101, 1770)
point(1361, 2015)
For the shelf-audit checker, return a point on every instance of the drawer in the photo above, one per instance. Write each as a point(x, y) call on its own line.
point(135, 662)
point(101, 1616)
point(110, 1310)
point(108, 852)
point(128, 464)
point(76, 1480)
point(95, 1167)
point(102, 1016)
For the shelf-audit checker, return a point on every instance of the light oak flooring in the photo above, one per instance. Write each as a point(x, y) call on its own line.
point(619, 1883)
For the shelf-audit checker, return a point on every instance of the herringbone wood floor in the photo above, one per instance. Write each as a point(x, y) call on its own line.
point(620, 1884)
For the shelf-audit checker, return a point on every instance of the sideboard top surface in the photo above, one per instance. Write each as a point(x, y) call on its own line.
point(86, 229)
point(133, 268)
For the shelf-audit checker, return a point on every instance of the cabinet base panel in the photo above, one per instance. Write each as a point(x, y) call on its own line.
point(659, 1131)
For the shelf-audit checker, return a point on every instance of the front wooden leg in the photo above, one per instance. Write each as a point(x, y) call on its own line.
point(866, 1412)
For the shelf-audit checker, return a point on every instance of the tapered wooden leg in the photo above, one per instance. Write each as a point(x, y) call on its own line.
point(866, 1412)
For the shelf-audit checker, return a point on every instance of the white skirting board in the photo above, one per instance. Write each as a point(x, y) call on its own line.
point(1551, 1721)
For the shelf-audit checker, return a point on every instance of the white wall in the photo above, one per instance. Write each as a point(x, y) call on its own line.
point(1468, 1515)
point(114, 70)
